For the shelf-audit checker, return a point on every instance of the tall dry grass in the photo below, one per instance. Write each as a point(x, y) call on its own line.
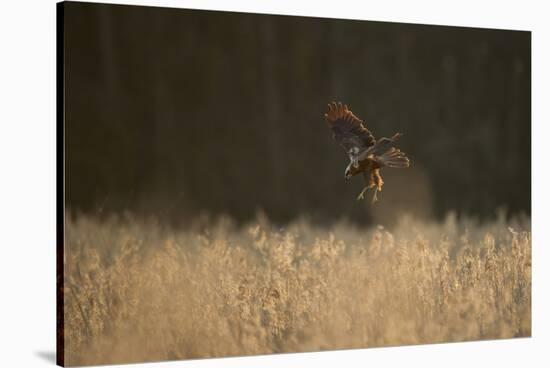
point(136, 291)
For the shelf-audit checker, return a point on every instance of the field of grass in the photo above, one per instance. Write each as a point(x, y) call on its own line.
point(139, 291)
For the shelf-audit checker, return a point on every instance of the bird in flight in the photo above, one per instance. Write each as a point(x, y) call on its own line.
point(367, 155)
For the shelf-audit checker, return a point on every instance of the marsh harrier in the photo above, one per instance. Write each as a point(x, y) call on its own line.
point(366, 155)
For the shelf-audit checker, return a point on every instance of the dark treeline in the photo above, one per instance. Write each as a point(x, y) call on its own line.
point(179, 112)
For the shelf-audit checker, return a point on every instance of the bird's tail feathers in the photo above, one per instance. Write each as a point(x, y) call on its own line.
point(394, 158)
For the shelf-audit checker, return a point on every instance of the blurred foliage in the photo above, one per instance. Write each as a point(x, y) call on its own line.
point(177, 112)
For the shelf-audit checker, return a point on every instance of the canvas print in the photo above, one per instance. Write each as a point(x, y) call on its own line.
point(236, 184)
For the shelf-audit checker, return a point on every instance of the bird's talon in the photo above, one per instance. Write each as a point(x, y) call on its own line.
point(375, 197)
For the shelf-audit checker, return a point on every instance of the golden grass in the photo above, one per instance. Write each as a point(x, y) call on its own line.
point(136, 291)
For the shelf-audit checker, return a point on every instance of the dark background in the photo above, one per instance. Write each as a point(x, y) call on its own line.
point(176, 113)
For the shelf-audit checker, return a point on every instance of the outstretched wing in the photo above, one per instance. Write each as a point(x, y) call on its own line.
point(348, 130)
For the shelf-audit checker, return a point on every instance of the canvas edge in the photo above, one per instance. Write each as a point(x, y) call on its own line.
point(60, 185)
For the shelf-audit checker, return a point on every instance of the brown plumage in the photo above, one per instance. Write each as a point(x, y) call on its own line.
point(367, 156)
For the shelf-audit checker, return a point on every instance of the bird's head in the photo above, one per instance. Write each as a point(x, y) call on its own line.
point(347, 173)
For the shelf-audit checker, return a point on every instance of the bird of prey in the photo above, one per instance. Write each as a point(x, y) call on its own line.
point(367, 155)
